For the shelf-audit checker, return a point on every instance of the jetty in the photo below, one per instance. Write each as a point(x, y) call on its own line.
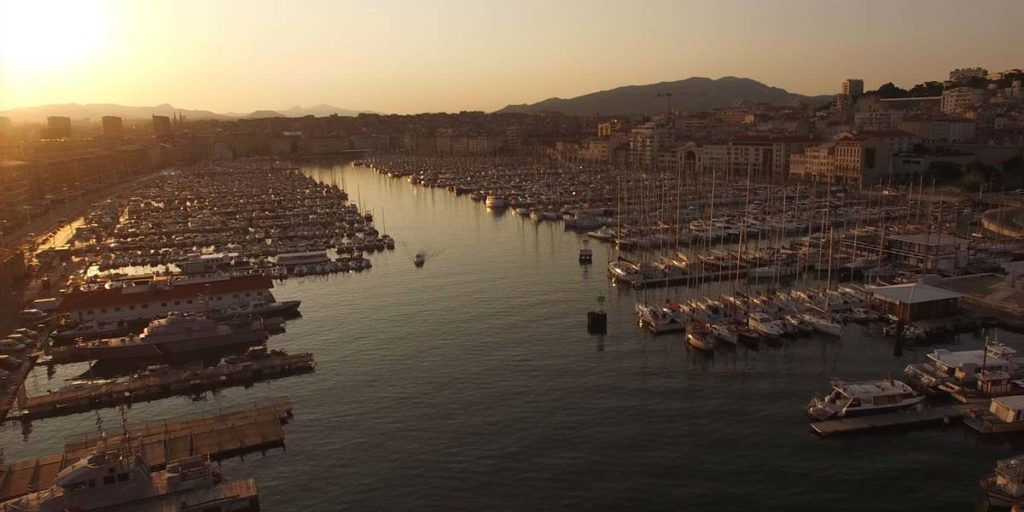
point(892, 420)
point(229, 433)
point(162, 383)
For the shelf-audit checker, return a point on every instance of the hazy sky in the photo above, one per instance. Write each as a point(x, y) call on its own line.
point(447, 55)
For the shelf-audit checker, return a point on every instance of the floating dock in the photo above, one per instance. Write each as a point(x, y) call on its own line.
point(162, 384)
point(900, 419)
point(227, 434)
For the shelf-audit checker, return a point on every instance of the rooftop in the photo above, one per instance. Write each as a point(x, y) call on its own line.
point(912, 293)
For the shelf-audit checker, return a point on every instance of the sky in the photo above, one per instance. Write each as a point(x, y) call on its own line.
point(410, 56)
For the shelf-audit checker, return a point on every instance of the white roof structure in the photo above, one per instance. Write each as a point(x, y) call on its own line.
point(1015, 402)
point(912, 293)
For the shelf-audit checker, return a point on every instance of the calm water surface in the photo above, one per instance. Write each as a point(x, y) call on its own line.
point(471, 384)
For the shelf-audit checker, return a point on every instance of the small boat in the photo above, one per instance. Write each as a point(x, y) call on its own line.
point(863, 315)
point(764, 325)
point(823, 325)
point(867, 397)
point(725, 333)
point(419, 259)
point(699, 336)
point(799, 324)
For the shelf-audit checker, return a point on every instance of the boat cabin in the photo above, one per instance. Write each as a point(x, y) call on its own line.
point(1010, 476)
point(1009, 409)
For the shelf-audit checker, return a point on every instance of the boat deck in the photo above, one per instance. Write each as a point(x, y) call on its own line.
point(227, 434)
point(891, 420)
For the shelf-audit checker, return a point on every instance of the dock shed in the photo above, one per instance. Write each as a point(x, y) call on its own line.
point(915, 301)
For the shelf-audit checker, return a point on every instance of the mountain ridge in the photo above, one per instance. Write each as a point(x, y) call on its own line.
point(95, 111)
point(689, 94)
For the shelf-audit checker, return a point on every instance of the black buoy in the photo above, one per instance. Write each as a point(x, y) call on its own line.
point(586, 255)
point(597, 321)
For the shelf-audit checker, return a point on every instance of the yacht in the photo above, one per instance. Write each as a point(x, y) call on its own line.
point(867, 397)
point(764, 325)
point(175, 334)
point(120, 481)
point(603, 233)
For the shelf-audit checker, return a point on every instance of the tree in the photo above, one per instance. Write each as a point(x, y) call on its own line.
point(944, 172)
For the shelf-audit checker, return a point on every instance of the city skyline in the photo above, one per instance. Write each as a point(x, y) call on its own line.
point(403, 57)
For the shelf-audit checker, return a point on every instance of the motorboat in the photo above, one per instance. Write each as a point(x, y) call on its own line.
point(961, 367)
point(177, 333)
point(865, 397)
point(698, 336)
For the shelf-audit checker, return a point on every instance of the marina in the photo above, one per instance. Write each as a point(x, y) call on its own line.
point(761, 331)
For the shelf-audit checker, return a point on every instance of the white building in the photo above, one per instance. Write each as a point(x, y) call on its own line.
point(961, 99)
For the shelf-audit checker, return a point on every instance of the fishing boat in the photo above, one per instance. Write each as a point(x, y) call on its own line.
point(121, 481)
point(177, 333)
point(859, 398)
point(698, 336)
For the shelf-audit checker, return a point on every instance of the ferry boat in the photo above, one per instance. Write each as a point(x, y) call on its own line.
point(867, 397)
point(1004, 488)
point(175, 334)
point(120, 481)
point(961, 368)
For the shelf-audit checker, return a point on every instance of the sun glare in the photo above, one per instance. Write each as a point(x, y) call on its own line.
point(43, 36)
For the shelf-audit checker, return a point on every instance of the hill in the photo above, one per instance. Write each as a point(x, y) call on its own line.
point(689, 95)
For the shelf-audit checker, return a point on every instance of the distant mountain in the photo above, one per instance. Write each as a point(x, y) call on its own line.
point(690, 95)
point(95, 111)
point(322, 110)
point(263, 114)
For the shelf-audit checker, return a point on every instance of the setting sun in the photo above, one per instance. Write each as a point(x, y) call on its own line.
point(40, 40)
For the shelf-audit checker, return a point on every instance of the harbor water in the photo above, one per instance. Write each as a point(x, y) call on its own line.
point(472, 384)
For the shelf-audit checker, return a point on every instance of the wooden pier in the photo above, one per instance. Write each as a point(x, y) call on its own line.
point(904, 419)
point(162, 384)
point(227, 434)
